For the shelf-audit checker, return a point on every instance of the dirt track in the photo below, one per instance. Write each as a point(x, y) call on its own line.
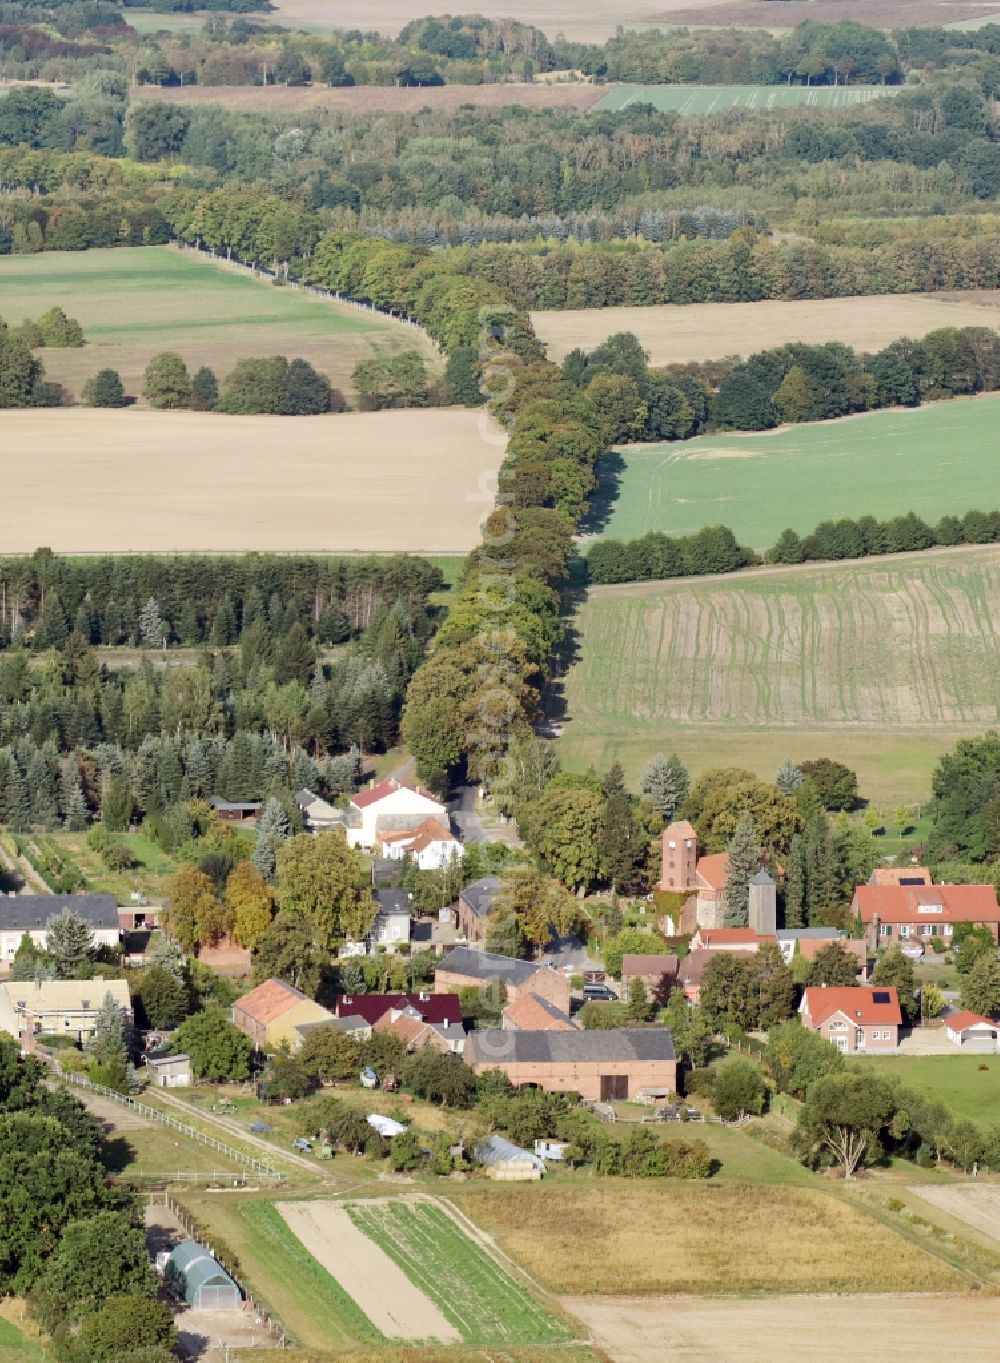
point(379, 1286)
point(676, 333)
point(792, 1329)
point(87, 481)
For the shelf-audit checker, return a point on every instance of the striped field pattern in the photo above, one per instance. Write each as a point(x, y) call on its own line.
point(711, 99)
point(910, 642)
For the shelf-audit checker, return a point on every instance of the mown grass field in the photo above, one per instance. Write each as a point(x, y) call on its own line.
point(482, 1301)
point(970, 1093)
point(17, 1346)
point(932, 460)
point(711, 99)
point(882, 664)
point(134, 302)
point(612, 1237)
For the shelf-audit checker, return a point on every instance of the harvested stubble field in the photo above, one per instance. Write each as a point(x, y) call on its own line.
point(713, 99)
point(91, 481)
point(282, 99)
point(134, 302)
point(482, 1302)
point(888, 14)
point(682, 1238)
point(977, 1205)
point(678, 333)
point(932, 460)
point(823, 1329)
point(882, 664)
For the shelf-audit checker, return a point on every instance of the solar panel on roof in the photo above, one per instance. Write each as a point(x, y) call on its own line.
point(911, 880)
point(881, 996)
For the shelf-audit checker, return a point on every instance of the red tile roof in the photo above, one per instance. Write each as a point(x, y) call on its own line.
point(269, 1000)
point(895, 875)
point(857, 1003)
point(384, 789)
point(958, 1022)
point(649, 964)
point(530, 1013)
point(445, 1008)
point(431, 830)
point(714, 869)
point(810, 946)
point(916, 903)
point(680, 829)
point(723, 937)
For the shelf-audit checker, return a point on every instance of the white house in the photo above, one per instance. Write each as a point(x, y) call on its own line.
point(391, 927)
point(971, 1032)
point(431, 845)
point(390, 806)
point(30, 913)
point(33, 1008)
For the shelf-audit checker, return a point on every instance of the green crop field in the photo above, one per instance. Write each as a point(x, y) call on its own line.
point(932, 460)
point(135, 301)
point(968, 1085)
point(881, 664)
point(484, 1303)
point(710, 99)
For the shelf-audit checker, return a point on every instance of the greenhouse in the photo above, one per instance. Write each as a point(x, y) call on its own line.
point(200, 1280)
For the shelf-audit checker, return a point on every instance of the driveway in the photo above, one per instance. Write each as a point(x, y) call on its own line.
point(463, 806)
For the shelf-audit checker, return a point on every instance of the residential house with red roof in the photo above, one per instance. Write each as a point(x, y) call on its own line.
point(270, 1014)
point(390, 806)
point(854, 1019)
point(730, 939)
point(432, 845)
point(921, 913)
point(435, 1008)
point(972, 1032)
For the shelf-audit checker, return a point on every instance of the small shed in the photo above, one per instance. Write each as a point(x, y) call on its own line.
point(971, 1032)
point(508, 1163)
point(169, 1071)
point(201, 1280)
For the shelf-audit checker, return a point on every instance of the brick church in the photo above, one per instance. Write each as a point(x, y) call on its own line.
point(704, 879)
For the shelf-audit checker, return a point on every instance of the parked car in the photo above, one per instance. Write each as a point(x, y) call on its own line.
point(599, 993)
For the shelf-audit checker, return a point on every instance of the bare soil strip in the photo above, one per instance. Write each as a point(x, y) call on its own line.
point(978, 1206)
point(791, 1329)
point(379, 1287)
point(86, 481)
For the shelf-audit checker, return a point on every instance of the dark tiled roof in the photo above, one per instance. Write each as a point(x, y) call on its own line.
point(481, 895)
point(595, 1047)
point(485, 965)
point(392, 901)
point(25, 912)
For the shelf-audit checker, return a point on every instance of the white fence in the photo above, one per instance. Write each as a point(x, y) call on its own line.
point(152, 1114)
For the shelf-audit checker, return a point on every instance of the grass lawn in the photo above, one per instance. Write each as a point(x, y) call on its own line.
point(152, 868)
point(708, 99)
point(608, 1236)
point(133, 302)
point(18, 1345)
point(283, 1274)
point(882, 664)
point(931, 460)
point(151, 1150)
point(971, 1094)
point(473, 1292)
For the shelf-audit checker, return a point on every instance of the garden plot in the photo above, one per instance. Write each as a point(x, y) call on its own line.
point(382, 1290)
point(484, 1303)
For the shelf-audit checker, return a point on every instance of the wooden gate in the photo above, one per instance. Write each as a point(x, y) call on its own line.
point(613, 1086)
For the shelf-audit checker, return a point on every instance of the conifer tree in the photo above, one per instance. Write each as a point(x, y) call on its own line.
point(788, 777)
point(665, 783)
point(69, 942)
point(796, 901)
point(744, 863)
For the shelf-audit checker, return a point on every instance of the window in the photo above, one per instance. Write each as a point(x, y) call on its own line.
point(836, 1027)
point(885, 930)
point(859, 1036)
point(930, 908)
point(931, 930)
point(904, 931)
point(946, 930)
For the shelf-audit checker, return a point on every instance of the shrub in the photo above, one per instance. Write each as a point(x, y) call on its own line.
point(58, 331)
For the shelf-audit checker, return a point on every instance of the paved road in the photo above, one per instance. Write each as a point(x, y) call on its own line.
point(462, 806)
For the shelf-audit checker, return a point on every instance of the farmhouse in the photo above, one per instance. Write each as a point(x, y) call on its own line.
point(33, 1008)
point(474, 906)
point(605, 1065)
point(30, 913)
point(532, 1013)
point(431, 845)
point(442, 1009)
point(270, 1014)
point(908, 913)
point(390, 806)
point(810, 947)
point(657, 973)
point(855, 1018)
point(971, 1032)
point(416, 1032)
point(466, 968)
